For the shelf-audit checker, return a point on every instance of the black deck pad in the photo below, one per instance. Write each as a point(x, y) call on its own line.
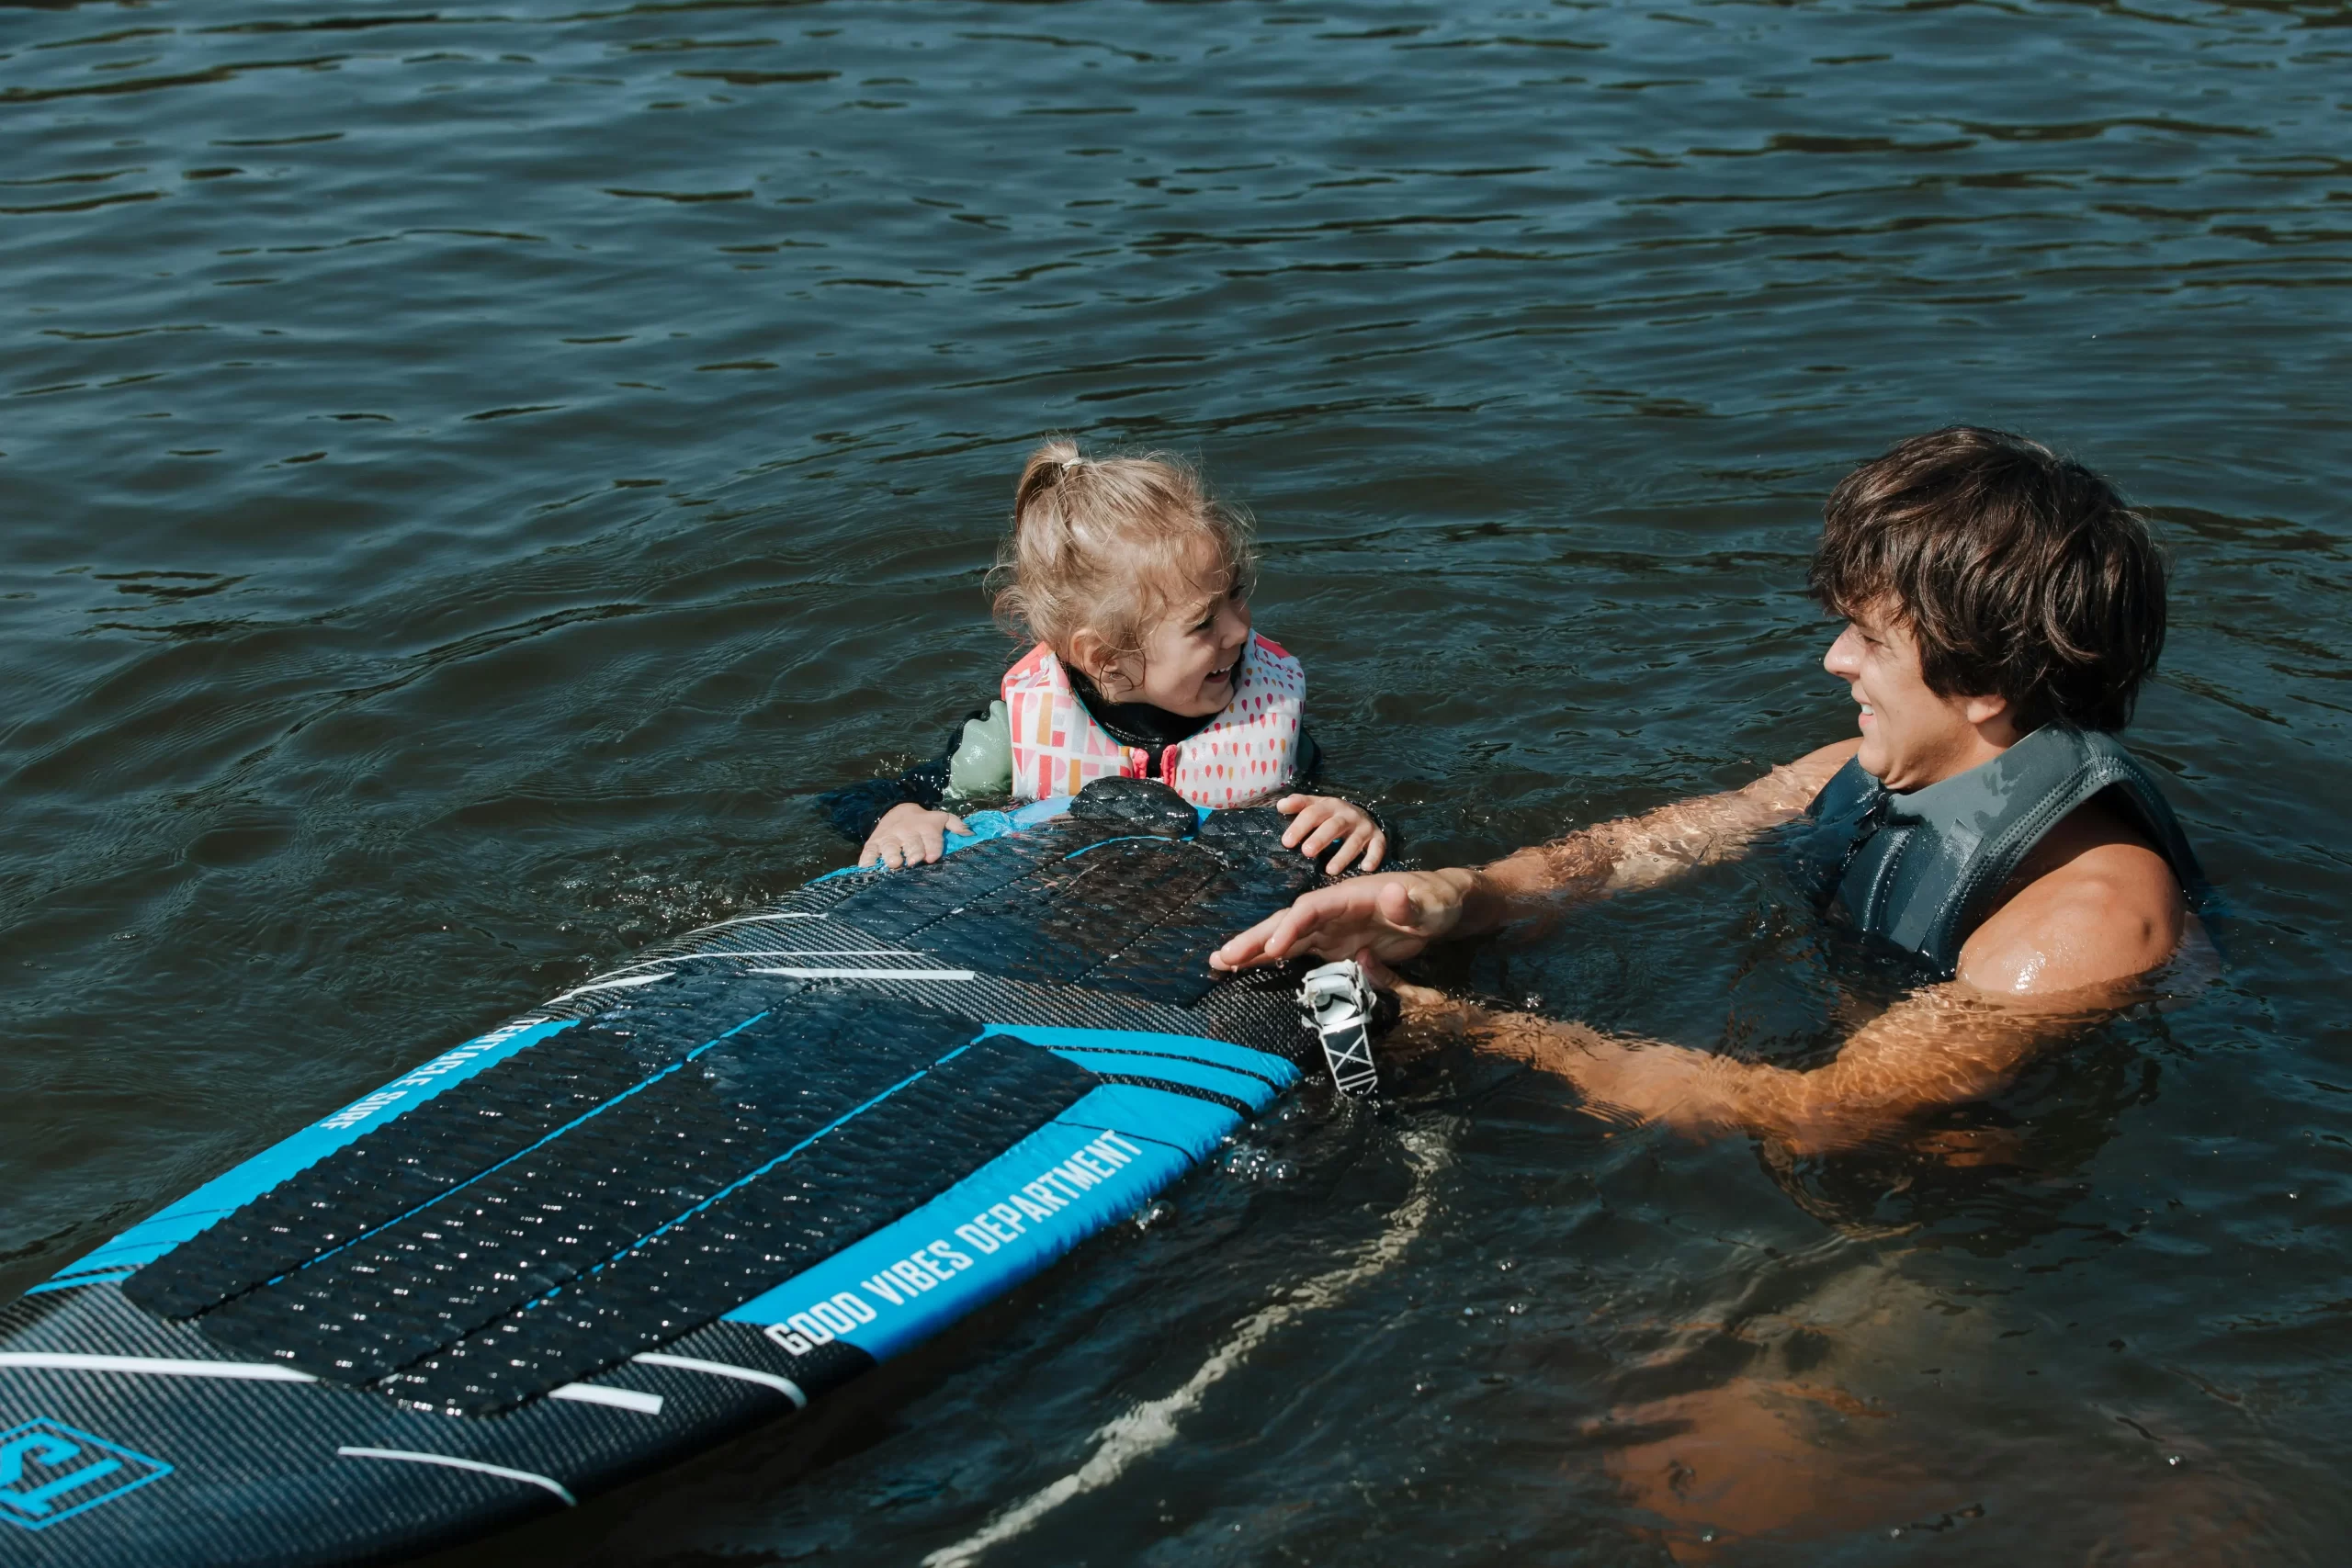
point(783, 1217)
point(698, 1139)
point(1137, 806)
point(439, 1145)
point(896, 906)
point(704, 1119)
point(1110, 903)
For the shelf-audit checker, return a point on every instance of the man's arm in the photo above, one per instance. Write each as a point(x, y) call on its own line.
point(1656, 846)
point(2093, 911)
point(1393, 917)
point(1942, 1046)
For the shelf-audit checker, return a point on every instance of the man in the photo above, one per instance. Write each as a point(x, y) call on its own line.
point(2002, 607)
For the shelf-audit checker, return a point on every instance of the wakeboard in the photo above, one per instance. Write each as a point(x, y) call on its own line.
point(685, 1199)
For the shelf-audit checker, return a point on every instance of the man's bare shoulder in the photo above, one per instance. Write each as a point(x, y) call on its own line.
point(2094, 904)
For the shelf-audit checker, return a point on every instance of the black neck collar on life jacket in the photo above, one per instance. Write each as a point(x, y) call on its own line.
point(1136, 724)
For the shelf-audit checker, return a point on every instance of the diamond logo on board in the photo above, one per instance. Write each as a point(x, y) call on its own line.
point(49, 1471)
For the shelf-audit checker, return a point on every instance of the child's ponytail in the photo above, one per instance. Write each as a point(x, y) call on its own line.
point(1104, 544)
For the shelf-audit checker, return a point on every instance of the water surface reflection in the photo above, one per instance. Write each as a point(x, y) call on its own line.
point(473, 473)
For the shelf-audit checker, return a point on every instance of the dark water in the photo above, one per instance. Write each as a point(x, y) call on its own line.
point(470, 475)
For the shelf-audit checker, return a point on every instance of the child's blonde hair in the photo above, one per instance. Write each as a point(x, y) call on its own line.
point(1099, 544)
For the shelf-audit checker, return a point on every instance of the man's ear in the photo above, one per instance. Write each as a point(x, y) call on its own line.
point(1982, 711)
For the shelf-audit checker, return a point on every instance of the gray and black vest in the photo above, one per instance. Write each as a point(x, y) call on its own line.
point(1920, 870)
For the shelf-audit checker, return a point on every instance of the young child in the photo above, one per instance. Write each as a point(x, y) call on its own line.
point(1134, 586)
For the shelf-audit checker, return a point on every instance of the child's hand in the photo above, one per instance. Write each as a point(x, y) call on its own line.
point(1323, 821)
point(910, 835)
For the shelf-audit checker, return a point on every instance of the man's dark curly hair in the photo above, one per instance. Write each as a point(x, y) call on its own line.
point(2020, 573)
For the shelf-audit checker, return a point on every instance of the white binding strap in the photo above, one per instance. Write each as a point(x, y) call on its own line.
point(784, 1386)
point(410, 1456)
point(152, 1366)
point(619, 1398)
point(870, 974)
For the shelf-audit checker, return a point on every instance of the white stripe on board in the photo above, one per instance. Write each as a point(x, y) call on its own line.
point(761, 952)
point(619, 1398)
point(751, 920)
point(802, 953)
point(784, 1386)
point(153, 1366)
point(870, 974)
point(612, 978)
point(412, 1456)
point(609, 985)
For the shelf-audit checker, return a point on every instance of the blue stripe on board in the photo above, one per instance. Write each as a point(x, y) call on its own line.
point(589, 1114)
point(987, 825)
point(1254, 1092)
point(1278, 1070)
point(746, 1179)
point(1100, 1159)
point(1194, 1127)
point(153, 1237)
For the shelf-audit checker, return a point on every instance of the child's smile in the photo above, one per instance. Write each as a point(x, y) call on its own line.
point(1192, 658)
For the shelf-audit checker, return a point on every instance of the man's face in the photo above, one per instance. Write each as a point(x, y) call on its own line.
point(1911, 736)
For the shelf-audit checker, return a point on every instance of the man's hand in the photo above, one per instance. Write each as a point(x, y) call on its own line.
point(910, 835)
point(1389, 917)
point(1318, 821)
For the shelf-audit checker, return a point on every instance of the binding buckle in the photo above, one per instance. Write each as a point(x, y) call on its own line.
point(1336, 1001)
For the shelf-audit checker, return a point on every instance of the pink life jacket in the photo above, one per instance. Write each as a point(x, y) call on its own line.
point(1248, 754)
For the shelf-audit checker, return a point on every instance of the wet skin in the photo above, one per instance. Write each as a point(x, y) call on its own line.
point(2094, 911)
point(2075, 936)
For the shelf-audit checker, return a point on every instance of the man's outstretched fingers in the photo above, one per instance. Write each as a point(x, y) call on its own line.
point(1272, 938)
point(1383, 913)
point(1282, 933)
point(1240, 952)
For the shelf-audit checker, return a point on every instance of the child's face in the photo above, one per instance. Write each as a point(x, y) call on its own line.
point(1192, 658)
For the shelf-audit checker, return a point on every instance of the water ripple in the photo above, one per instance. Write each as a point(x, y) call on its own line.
point(473, 473)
